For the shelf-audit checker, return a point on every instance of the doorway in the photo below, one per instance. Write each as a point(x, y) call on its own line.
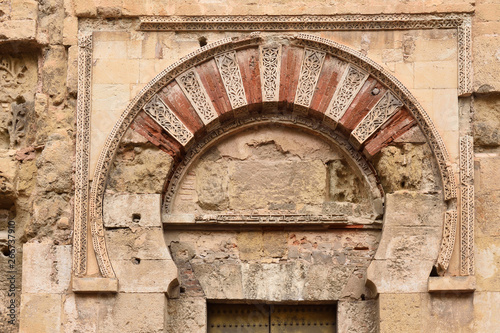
point(271, 318)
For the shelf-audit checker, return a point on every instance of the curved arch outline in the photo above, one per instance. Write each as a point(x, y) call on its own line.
point(107, 154)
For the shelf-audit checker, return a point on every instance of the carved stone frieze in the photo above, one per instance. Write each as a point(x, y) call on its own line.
point(351, 82)
point(381, 112)
point(231, 77)
point(308, 77)
point(80, 228)
point(160, 112)
point(448, 240)
point(270, 64)
point(11, 71)
point(467, 205)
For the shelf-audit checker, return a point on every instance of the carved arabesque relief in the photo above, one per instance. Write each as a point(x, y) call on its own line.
point(399, 95)
point(197, 95)
point(308, 77)
point(467, 205)
point(231, 77)
point(160, 112)
point(270, 64)
point(351, 82)
point(381, 112)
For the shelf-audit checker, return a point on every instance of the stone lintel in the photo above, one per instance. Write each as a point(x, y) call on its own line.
point(95, 284)
point(461, 284)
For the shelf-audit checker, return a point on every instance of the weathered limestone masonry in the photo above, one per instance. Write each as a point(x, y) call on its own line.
point(160, 156)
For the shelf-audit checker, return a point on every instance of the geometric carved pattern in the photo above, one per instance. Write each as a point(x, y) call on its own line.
point(377, 116)
point(231, 77)
point(82, 156)
point(448, 240)
point(351, 82)
point(197, 95)
point(160, 112)
point(464, 58)
point(270, 63)
point(309, 74)
point(467, 205)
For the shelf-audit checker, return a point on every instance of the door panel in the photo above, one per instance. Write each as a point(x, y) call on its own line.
point(303, 319)
point(262, 318)
point(238, 318)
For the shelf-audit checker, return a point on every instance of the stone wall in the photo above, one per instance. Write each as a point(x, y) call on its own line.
point(166, 275)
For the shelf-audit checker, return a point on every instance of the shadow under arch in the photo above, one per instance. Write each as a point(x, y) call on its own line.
point(375, 122)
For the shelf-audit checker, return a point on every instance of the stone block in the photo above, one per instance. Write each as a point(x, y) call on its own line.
point(486, 125)
point(212, 181)
point(400, 313)
point(40, 313)
point(143, 243)
point(70, 30)
point(72, 76)
point(486, 310)
point(270, 185)
point(110, 49)
point(187, 315)
point(132, 210)
point(220, 280)
point(420, 243)
point(487, 260)
point(127, 312)
point(357, 316)
point(94, 284)
point(452, 284)
point(489, 177)
point(110, 97)
point(85, 8)
point(18, 30)
point(447, 312)
point(109, 71)
point(400, 275)
point(274, 244)
point(413, 209)
point(24, 9)
point(436, 74)
point(46, 268)
point(250, 245)
point(487, 219)
point(145, 276)
point(486, 56)
point(54, 72)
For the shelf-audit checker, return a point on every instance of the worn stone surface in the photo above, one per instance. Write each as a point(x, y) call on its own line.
point(487, 120)
point(136, 242)
point(132, 210)
point(357, 316)
point(486, 311)
point(407, 167)
point(46, 268)
point(186, 315)
point(139, 170)
point(41, 313)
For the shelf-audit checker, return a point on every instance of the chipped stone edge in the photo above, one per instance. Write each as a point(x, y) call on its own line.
point(457, 284)
point(94, 284)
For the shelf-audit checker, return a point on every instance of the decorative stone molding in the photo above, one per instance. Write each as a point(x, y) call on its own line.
point(83, 112)
point(160, 112)
point(229, 46)
point(459, 21)
point(448, 240)
point(467, 205)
